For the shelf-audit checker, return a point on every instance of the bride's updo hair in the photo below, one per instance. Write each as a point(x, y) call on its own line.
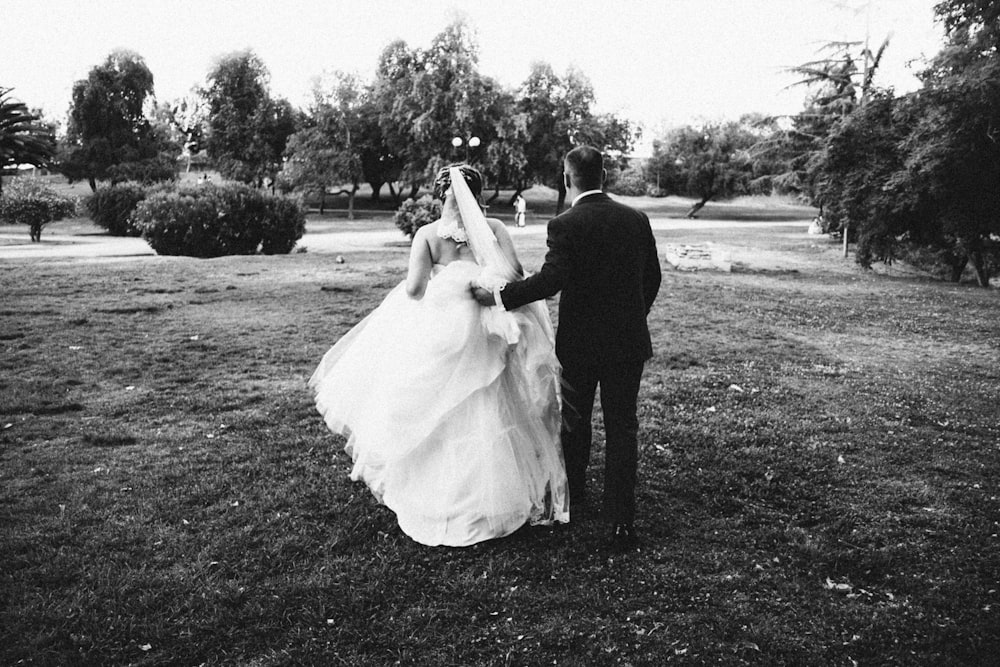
point(471, 176)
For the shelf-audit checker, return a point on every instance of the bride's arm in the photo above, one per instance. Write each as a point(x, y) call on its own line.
point(506, 244)
point(421, 264)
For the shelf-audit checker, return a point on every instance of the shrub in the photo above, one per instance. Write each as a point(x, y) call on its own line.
point(948, 258)
point(414, 214)
point(27, 201)
point(283, 228)
point(113, 207)
point(212, 221)
point(629, 183)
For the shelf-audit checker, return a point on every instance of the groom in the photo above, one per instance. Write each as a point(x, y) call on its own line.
point(602, 257)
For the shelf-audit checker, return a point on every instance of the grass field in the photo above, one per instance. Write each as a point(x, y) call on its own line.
point(819, 477)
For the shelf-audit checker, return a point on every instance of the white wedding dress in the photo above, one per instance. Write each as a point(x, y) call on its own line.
point(451, 411)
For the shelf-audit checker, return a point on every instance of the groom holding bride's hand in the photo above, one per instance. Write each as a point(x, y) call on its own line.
point(602, 257)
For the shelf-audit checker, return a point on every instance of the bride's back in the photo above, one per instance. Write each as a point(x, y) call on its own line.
point(444, 251)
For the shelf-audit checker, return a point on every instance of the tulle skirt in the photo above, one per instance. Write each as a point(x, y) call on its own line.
point(451, 411)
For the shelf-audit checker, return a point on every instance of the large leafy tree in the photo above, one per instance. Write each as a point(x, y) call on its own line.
point(559, 117)
point(918, 175)
point(505, 160)
point(24, 137)
point(247, 129)
point(712, 161)
point(424, 98)
point(840, 80)
point(327, 152)
point(856, 176)
point(397, 112)
point(109, 136)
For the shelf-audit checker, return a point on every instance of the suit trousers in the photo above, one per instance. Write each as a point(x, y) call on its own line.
point(619, 385)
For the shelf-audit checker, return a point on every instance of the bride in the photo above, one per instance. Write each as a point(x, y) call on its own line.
point(451, 410)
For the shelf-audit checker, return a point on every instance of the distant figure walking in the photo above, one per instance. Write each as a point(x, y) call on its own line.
point(520, 208)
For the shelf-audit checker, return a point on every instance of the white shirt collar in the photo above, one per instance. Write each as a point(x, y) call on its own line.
point(584, 194)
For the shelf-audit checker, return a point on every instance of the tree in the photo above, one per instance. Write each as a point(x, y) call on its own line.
point(559, 118)
point(834, 81)
point(248, 130)
point(327, 152)
point(29, 201)
point(378, 164)
point(855, 176)
point(109, 136)
point(24, 138)
point(187, 121)
point(708, 162)
point(917, 175)
point(396, 112)
point(952, 154)
point(543, 101)
point(505, 161)
point(973, 22)
point(425, 98)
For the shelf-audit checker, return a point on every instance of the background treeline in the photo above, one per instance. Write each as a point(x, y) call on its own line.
point(909, 177)
point(393, 132)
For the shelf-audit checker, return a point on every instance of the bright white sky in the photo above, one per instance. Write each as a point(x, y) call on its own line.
point(657, 62)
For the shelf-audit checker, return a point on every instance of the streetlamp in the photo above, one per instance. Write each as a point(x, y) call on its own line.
point(473, 142)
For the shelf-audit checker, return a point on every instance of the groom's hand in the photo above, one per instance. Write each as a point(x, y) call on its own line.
point(482, 296)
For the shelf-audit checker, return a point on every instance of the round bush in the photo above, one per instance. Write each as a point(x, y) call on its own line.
point(113, 207)
point(212, 221)
point(414, 214)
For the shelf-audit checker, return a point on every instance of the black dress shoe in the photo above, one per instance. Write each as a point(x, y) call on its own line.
point(624, 538)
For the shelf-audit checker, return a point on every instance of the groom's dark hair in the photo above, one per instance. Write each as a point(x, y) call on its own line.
point(586, 167)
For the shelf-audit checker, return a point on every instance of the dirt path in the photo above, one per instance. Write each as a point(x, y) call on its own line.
point(325, 237)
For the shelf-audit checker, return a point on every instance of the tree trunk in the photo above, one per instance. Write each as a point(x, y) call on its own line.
point(496, 193)
point(697, 207)
point(979, 264)
point(518, 189)
point(350, 202)
point(394, 194)
point(376, 191)
point(846, 230)
point(92, 183)
point(957, 268)
point(322, 201)
point(414, 190)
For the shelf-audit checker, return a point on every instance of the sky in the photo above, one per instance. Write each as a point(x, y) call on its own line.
point(659, 63)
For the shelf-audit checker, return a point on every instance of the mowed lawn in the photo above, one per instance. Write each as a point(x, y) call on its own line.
point(819, 477)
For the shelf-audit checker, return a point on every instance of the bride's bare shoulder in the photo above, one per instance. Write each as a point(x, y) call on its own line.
point(427, 230)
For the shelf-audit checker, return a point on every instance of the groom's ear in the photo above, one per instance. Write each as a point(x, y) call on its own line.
point(604, 176)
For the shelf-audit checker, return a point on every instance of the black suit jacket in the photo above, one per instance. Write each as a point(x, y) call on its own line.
point(602, 257)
